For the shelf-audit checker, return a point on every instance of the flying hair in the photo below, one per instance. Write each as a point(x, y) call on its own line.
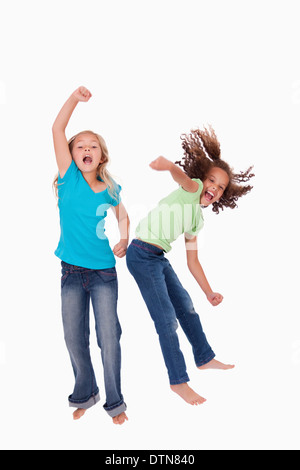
point(202, 152)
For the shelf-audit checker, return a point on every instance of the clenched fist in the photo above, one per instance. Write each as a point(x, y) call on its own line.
point(161, 164)
point(82, 94)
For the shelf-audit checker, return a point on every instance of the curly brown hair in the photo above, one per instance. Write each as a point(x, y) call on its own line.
point(202, 152)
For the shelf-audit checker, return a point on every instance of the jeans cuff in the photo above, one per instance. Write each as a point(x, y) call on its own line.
point(86, 404)
point(180, 381)
point(207, 360)
point(116, 410)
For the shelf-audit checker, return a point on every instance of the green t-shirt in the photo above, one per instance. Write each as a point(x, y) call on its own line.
point(178, 213)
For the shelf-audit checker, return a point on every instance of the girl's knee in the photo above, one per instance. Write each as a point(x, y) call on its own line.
point(166, 327)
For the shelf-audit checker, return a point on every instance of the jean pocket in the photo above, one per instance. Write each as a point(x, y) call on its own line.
point(107, 275)
point(64, 277)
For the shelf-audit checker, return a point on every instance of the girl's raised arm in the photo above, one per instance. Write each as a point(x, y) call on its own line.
point(162, 164)
point(61, 147)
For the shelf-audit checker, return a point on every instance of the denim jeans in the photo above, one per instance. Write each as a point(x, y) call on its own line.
point(78, 287)
point(168, 303)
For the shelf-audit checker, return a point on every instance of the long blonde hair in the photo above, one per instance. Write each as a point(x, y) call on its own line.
point(102, 171)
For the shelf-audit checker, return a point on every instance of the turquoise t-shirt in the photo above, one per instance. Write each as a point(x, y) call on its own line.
point(82, 218)
point(180, 212)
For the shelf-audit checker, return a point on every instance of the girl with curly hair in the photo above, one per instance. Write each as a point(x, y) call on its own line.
point(205, 180)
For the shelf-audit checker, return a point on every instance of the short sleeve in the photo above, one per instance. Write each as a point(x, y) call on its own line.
point(67, 183)
point(192, 197)
point(69, 173)
point(116, 197)
point(198, 220)
point(195, 230)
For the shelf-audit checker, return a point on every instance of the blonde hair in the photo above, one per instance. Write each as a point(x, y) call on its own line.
point(102, 171)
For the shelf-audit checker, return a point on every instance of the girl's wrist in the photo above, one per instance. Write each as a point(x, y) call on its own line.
point(74, 99)
point(208, 293)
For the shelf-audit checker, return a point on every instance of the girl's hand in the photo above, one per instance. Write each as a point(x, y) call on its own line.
point(82, 94)
point(120, 249)
point(214, 298)
point(161, 164)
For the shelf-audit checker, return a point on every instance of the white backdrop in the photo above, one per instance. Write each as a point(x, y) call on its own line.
point(156, 69)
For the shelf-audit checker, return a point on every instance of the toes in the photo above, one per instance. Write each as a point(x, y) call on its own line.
point(120, 419)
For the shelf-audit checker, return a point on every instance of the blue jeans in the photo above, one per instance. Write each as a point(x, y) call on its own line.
point(168, 303)
point(78, 286)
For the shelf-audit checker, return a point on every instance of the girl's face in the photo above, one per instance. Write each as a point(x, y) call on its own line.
point(214, 186)
point(86, 152)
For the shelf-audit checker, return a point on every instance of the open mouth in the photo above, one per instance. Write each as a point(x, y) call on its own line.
point(209, 195)
point(87, 160)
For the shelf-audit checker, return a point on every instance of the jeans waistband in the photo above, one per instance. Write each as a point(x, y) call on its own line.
point(147, 246)
point(72, 268)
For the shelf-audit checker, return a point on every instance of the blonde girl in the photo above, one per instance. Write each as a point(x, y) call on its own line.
point(85, 193)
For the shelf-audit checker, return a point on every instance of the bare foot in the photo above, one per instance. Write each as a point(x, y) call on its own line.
point(188, 394)
point(78, 413)
point(216, 365)
point(120, 419)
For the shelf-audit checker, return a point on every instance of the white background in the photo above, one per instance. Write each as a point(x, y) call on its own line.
point(156, 69)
